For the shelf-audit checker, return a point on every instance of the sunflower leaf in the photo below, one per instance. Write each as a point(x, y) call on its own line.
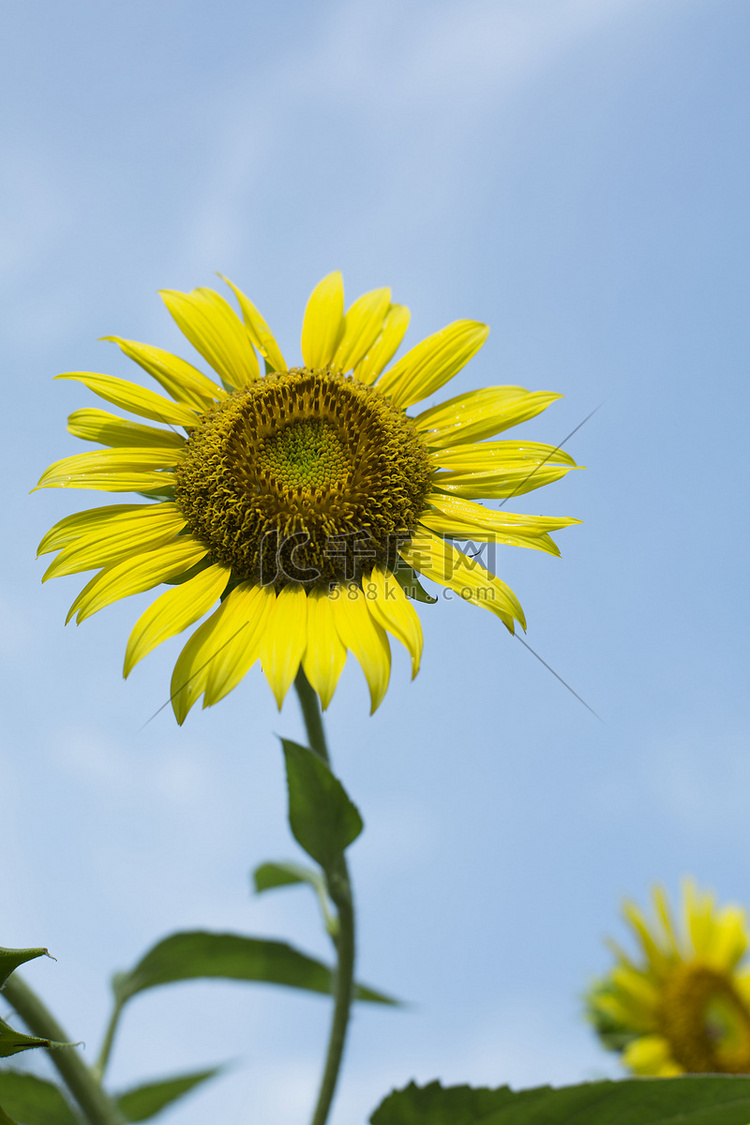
point(10, 959)
point(197, 954)
point(271, 875)
point(33, 1100)
point(12, 1041)
point(322, 818)
point(143, 1102)
point(690, 1100)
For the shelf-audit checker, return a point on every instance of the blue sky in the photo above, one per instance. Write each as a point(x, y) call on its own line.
point(573, 173)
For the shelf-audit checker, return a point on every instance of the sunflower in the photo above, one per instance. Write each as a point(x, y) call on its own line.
point(304, 500)
point(684, 1005)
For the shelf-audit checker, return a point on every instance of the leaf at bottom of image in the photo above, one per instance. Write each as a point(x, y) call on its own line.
point(689, 1100)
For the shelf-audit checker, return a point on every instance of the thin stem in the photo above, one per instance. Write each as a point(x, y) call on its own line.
point(96, 1105)
point(109, 1038)
point(340, 890)
point(343, 990)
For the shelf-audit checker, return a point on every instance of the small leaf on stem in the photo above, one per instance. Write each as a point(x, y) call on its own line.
point(322, 818)
point(143, 1102)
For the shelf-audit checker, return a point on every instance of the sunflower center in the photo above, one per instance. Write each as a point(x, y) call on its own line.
point(304, 476)
point(307, 454)
point(706, 1021)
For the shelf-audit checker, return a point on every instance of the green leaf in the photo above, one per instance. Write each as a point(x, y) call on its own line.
point(12, 1041)
point(10, 959)
point(323, 819)
point(146, 1101)
point(197, 954)
point(5, 1120)
point(690, 1100)
point(34, 1101)
point(271, 875)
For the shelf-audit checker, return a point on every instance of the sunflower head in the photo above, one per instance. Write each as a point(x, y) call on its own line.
point(683, 1004)
point(296, 496)
point(304, 477)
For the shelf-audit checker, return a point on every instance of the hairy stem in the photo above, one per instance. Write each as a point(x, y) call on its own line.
point(96, 1105)
point(340, 890)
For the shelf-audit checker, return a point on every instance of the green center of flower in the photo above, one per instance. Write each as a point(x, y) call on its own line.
point(706, 1021)
point(304, 476)
point(307, 453)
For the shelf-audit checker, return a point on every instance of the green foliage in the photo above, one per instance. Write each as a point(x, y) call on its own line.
point(33, 1101)
point(144, 1102)
point(322, 818)
point(612, 1034)
point(691, 1100)
point(6, 1120)
point(11, 1041)
point(197, 954)
point(269, 876)
point(10, 959)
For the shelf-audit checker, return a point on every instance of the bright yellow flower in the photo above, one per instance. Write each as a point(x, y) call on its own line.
point(303, 498)
point(683, 1005)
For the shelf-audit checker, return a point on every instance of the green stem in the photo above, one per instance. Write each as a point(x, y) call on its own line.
point(96, 1105)
point(340, 889)
point(109, 1038)
point(312, 715)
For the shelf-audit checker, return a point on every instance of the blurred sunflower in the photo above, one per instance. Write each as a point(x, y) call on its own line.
point(304, 499)
point(683, 1006)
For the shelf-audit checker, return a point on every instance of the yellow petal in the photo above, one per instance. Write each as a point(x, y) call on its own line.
point(117, 470)
point(323, 324)
point(72, 527)
point(488, 456)
point(174, 611)
point(284, 640)
point(650, 1056)
point(623, 1010)
point(138, 400)
point(362, 634)
point(730, 941)
point(214, 330)
point(191, 668)
point(455, 528)
point(439, 560)
point(108, 429)
point(639, 988)
point(137, 573)
point(258, 330)
point(363, 324)
point(391, 608)
point(650, 943)
point(325, 655)
point(245, 616)
point(179, 378)
point(501, 484)
point(142, 530)
point(672, 942)
point(434, 361)
point(386, 345)
point(462, 519)
point(480, 414)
